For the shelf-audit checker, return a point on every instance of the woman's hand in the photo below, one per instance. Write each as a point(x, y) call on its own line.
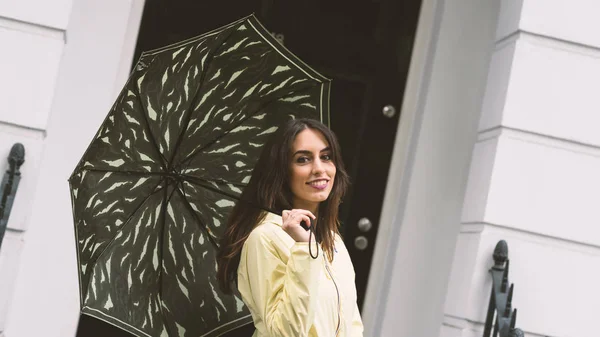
point(291, 223)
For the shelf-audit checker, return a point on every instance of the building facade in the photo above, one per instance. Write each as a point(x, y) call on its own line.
point(534, 178)
point(496, 141)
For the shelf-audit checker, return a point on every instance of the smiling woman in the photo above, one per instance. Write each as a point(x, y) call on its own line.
point(312, 170)
point(266, 256)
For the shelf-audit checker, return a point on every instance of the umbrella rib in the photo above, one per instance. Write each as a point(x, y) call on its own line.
point(250, 115)
point(136, 173)
point(130, 216)
point(163, 163)
point(163, 174)
point(124, 224)
point(166, 199)
point(193, 100)
point(200, 182)
point(191, 210)
point(218, 181)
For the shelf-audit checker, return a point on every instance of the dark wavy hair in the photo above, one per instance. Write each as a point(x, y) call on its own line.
point(269, 189)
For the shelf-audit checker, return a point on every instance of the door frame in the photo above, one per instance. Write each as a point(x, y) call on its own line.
point(420, 218)
point(130, 40)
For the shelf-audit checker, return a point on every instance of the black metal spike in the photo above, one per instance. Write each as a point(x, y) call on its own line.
point(513, 319)
point(508, 308)
point(487, 330)
point(505, 277)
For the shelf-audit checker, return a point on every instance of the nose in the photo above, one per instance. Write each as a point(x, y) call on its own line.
point(318, 167)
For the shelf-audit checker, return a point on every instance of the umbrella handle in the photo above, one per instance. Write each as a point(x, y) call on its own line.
point(305, 226)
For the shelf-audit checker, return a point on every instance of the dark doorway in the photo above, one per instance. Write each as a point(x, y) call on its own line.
point(364, 46)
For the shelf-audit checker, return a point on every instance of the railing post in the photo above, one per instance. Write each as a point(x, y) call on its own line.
point(500, 306)
point(9, 185)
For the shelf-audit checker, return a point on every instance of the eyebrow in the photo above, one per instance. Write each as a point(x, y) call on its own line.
point(308, 152)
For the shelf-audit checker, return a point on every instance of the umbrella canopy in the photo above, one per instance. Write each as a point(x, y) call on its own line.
point(152, 193)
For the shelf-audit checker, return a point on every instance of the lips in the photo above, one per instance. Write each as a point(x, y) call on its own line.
point(319, 184)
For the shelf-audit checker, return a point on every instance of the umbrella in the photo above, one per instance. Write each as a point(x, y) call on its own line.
point(152, 193)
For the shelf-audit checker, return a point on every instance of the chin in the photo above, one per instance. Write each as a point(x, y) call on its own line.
point(320, 197)
point(313, 197)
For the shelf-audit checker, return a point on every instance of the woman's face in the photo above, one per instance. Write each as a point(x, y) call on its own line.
point(312, 170)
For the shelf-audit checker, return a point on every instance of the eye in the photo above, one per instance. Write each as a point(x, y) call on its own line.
point(326, 157)
point(302, 160)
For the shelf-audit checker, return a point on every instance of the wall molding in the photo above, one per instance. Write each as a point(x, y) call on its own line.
point(33, 28)
point(548, 42)
point(529, 236)
point(22, 130)
point(540, 139)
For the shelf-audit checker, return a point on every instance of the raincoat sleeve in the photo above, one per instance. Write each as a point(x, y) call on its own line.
point(356, 329)
point(283, 293)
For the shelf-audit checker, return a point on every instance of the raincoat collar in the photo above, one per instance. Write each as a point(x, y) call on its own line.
point(274, 219)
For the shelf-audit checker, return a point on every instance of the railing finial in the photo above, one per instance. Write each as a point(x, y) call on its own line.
point(9, 184)
point(501, 318)
point(17, 155)
point(500, 254)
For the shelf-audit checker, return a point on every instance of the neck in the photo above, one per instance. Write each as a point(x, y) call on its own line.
point(309, 206)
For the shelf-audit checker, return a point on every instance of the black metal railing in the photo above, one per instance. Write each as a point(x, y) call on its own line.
point(10, 183)
point(501, 318)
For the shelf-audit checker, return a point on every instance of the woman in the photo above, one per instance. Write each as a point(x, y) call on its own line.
point(291, 289)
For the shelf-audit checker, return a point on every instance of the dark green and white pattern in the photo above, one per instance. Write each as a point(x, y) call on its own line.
point(152, 193)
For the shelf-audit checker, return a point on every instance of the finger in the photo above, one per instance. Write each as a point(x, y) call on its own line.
point(306, 212)
point(285, 214)
point(306, 220)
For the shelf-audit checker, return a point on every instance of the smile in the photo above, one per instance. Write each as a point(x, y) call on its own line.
point(319, 183)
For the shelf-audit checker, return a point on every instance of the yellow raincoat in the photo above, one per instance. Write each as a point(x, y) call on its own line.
point(289, 293)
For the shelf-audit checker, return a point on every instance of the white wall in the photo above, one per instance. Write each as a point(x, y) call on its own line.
point(65, 62)
point(421, 214)
point(32, 38)
point(48, 14)
point(535, 176)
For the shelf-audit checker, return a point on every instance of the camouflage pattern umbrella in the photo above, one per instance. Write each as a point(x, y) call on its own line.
point(153, 190)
